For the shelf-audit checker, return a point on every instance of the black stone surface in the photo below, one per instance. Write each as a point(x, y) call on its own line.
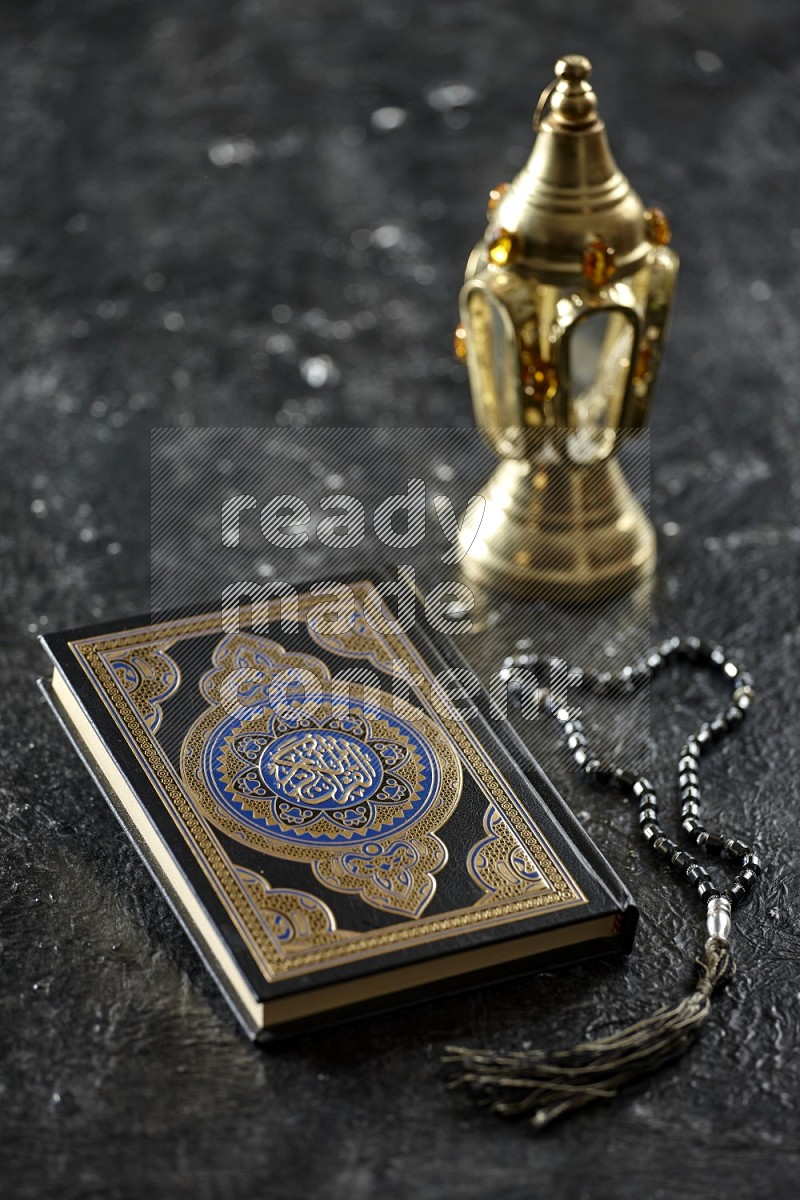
point(197, 199)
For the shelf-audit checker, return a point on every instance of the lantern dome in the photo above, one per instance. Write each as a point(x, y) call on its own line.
point(570, 214)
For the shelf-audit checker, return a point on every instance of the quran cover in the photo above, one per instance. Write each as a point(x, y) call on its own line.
point(334, 827)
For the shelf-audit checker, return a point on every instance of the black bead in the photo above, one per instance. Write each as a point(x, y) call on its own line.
point(737, 893)
point(718, 726)
point(651, 831)
point(752, 862)
point(690, 793)
point(647, 814)
point(747, 878)
point(647, 798)
point(697, 873)
point(714, 843)
point(736, 849)
point(691, 747)
point(641, 786)
point(665, 846)
point(682, 860)
point(687, 763)
point(688, 779)
point(707, 889)
point(692, 826)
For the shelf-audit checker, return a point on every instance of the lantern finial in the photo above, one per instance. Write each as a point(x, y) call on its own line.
point(573, 103)
point(570, 185)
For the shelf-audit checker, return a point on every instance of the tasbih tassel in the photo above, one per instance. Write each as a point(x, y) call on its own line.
point(550, 1085)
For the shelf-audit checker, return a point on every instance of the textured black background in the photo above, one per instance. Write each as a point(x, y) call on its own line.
point(140, 275)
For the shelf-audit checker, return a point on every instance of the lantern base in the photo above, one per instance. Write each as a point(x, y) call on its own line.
point(557, 531)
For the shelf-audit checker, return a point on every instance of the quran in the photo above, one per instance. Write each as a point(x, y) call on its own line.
point(330, 842)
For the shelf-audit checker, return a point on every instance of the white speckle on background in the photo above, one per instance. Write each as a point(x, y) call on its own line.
point(388, 118)
point(450, 95)
point(229, 152)
point(386, 236)
point(279, 343)
point(708, 61)
point(319, 370)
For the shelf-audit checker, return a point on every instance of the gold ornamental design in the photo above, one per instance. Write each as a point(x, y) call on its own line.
point(344, 783)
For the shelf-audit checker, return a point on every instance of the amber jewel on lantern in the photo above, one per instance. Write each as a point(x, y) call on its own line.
point(503, 247)
point(460, 343)
point(658, 227)
point(539, 379)
point(598, 262)
point(496, 195)
point(644, 363)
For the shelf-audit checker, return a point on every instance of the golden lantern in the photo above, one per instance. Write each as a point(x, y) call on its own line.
point(563, 320)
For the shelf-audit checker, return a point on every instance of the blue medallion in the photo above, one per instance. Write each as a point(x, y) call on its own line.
point(319, 777)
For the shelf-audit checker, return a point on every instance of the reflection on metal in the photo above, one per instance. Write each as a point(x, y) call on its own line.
point(564, 314)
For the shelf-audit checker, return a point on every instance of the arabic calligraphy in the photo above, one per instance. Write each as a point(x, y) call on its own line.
point(321, 768)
